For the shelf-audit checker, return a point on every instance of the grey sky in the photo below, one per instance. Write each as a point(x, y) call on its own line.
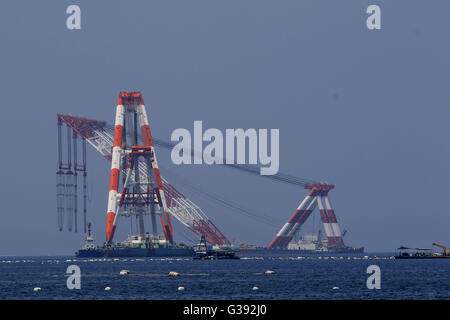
point(365, 110)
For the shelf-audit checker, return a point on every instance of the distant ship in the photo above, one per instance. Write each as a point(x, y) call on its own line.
point(134, 246)
point(422, 253)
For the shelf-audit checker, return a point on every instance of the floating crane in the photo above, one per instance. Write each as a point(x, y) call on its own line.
point(101, 136)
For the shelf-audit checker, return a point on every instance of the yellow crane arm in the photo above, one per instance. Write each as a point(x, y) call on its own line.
point(442, 247)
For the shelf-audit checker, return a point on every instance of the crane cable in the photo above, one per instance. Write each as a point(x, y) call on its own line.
point(281, 177)
point(214, 197)
point(255, 170)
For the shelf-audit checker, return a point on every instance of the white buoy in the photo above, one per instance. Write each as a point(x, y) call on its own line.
point(255, 288)
point(123, 272)
point(180, 288)
point(269, 272)
point(173, 274)
point(37, 289)
point(107, 288)
point(336, 288)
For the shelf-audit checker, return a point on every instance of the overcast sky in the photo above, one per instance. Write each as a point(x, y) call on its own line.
point(365, 110)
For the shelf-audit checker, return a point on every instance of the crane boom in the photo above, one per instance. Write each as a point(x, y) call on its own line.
point(444, 248)
point(100, 137)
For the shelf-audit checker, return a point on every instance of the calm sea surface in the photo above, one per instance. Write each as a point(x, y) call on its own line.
point(296, 277)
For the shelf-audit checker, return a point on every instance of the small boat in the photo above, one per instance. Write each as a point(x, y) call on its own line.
point(203, 251)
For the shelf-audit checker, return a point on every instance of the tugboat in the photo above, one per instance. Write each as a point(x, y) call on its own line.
point(203, 251)
point(89, 249)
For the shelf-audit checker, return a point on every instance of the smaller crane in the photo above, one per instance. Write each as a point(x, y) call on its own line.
point(446, 253)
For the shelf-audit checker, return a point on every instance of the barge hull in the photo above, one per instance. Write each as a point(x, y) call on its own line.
point(135, 252)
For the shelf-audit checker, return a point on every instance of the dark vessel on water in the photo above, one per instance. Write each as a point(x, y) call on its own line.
point(203, 251)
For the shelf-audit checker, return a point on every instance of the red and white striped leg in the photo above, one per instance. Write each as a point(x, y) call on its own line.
point(334, 224)
point(147, 137)
point(111, 219)
point(283, 238)
point(326, 223)
point(303, 216)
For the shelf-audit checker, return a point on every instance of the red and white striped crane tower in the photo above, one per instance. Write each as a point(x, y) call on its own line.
point(316, 197)
point(139, 195)
point(101, 136)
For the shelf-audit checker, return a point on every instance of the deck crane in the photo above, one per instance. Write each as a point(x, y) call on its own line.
point(444, 248)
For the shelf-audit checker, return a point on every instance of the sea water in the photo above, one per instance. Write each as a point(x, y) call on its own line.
point(295, 277)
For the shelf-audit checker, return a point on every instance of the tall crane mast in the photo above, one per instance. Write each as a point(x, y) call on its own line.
point(144, 193)
point(100, 136)
point(316, 197)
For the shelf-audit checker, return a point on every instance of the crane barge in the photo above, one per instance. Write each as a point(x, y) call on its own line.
point(145, 192)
